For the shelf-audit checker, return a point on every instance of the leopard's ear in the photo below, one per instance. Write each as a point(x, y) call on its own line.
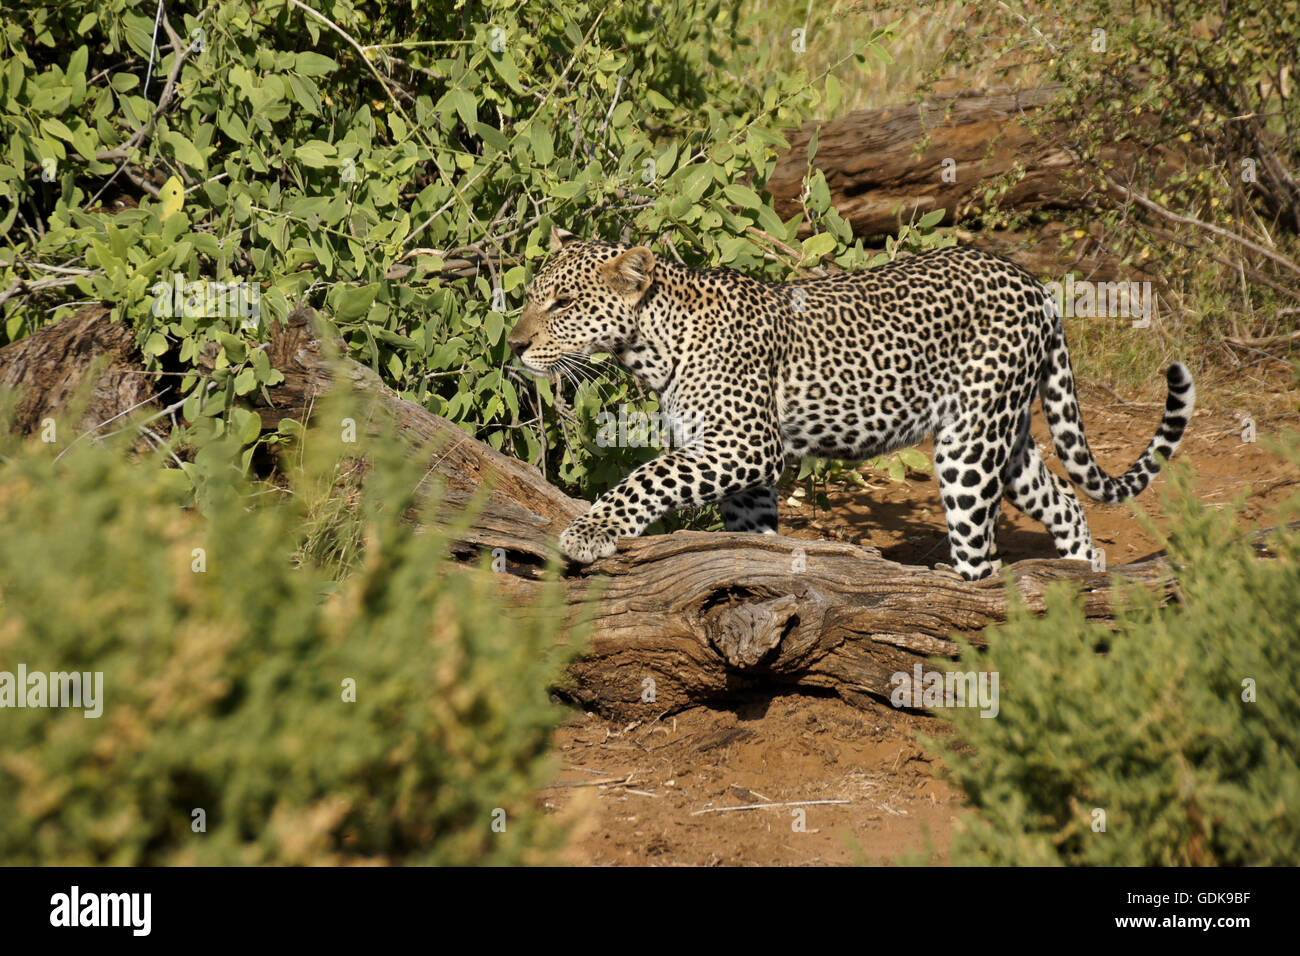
point(559, 237)
point(632, 272)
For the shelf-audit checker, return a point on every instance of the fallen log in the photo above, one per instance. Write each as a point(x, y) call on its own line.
point(669, 620)
point(86, 365)
point(696, 617)
point(891, 165)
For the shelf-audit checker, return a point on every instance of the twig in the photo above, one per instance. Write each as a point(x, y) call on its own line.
point(152, 418)
point(123, 152)
point(153, 49)
point(590, 783)
point(140, 181)
point(1264, 341)
point(61, 270)
point(614, 103)
point(796, 254)
point(169, 92)
point(1254, 274)
point(23, 286)
point(1207, 226)
point(1124, 401)
point(765, 806)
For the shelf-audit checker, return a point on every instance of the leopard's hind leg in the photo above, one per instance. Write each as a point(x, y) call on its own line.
point(1037, 491)
point(973, 445)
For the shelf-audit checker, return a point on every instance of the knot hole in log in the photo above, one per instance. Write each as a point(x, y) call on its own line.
point(748, 630)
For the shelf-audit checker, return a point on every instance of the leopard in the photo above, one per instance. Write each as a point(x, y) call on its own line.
point(949, 344)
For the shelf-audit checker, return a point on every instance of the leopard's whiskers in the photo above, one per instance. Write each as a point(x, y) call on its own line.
point(581, 370)
point(567, 375)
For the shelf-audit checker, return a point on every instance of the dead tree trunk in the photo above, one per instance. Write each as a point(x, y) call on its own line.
point(690, 616)
point(84, 365)
point(893, 164)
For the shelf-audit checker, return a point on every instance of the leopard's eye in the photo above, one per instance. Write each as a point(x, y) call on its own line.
point(560, 303)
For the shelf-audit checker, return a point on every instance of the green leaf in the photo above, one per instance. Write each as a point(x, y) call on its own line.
point(931, 219)
point(513, 278)
point(914, 459)
point(658, 101)
point(155, 345)
point(743, 196)
point(695, 180)
point(505, 66)
point(543, 145)
point(567, 190)
point(315, 153)
point(185, 151)
point(833, 94)
point(389, 337)
point(466, 106)
point(245, 381)
point(248, 424)
point(353, 303)
point(493, 325)
point(314, 64)
point(815, 247)
point(56, 128)
point(234, 346)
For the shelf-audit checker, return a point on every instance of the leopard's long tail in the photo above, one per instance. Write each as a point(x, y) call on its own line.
point(1061, 407)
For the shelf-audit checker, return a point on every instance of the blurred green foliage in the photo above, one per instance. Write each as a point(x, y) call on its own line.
point(229, 642)
point(1180, 724)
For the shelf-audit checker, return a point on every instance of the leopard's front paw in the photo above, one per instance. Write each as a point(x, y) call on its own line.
point(588, 539)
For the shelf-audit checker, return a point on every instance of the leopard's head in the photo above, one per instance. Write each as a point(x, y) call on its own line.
point(584, 299)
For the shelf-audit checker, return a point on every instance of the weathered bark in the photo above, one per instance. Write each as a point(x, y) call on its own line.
point(886, 166)
point(719, 616)
point(85, 364)
point(690, 616)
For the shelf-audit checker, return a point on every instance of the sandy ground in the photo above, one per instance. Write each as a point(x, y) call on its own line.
point(667, 792)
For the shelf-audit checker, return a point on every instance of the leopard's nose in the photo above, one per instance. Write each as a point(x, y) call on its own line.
point(518, 345)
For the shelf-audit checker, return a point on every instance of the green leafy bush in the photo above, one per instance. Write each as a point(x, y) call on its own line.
point(399, 168)
point(226, 668)
point(1181, 725)
point(1182, 124)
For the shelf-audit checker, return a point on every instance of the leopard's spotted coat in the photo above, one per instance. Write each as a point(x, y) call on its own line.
point(952, 343)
